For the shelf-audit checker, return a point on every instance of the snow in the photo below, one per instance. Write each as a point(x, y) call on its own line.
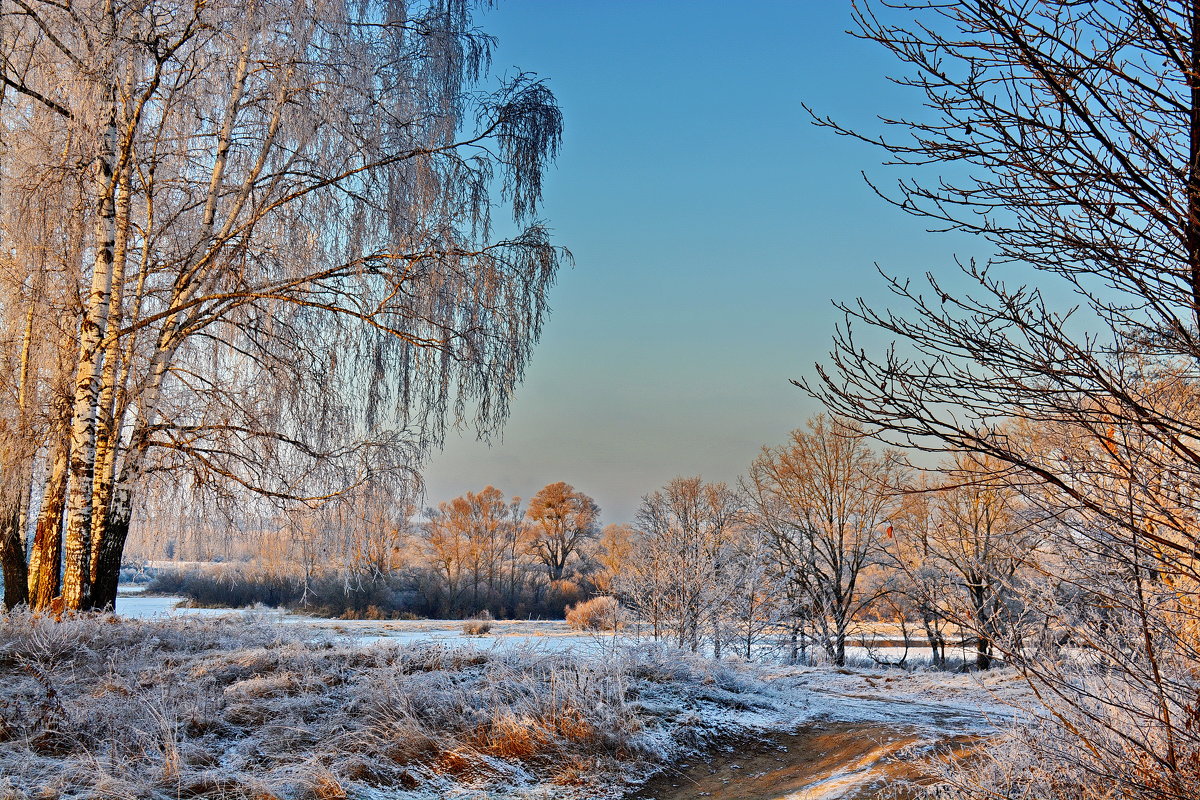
point(546, 635)
point(139, 606)
point(664, 703)
point(927, 700)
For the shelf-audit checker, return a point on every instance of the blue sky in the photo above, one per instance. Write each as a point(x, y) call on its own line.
point(712, 225)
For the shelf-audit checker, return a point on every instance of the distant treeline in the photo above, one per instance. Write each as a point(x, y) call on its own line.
point(403, 595)
point(378, 557)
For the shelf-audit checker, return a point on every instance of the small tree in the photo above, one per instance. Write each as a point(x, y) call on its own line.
point(679, 568)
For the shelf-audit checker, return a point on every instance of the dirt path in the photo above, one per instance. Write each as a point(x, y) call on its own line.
point(822, 761)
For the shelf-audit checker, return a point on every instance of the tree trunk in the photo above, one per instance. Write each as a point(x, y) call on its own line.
point(77, 573)
point(76, 584)
point(983, 652)
point(12, 556)
point(983, 626)
point(108, 416)
point(46, 556)
point(937, 642)
point(1192, 226)
point(107, 571)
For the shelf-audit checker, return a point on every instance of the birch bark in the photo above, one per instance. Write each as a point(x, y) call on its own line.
point(76, 587)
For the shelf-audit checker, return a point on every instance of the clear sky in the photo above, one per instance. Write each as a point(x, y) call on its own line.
point(712, 226)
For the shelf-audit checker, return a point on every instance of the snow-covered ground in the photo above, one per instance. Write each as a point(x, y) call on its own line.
point(660, 704)
point(243, 706)
point(136, 605)
point(547, 634)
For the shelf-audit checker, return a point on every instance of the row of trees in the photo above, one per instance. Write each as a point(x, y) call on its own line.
point(247, 247)
point(480, 552)
point(486, 553)
point(824, 538)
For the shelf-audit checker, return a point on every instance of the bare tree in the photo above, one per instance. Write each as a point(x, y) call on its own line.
point(825, 498)
point(678, 569)
point(1070, 134)
point(923, 583)
point(755, 590)
point(966, 541)
point(563, 519)
point(613, 553)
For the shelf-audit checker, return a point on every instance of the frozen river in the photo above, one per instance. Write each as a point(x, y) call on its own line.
point(135, 605)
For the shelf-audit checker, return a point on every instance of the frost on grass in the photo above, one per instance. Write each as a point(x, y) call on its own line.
point(246, 708)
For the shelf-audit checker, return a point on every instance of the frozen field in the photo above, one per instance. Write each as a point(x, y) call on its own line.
point(289, 706)
point(545, 634)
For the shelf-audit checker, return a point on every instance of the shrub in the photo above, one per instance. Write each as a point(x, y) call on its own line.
point(597, 614)
point(478, 625)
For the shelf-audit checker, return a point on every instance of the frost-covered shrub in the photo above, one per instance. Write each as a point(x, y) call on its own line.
point(598, 614)
point(478, 625)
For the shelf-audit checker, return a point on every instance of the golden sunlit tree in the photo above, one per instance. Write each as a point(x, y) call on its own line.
point(562, 521)
point(825, 498)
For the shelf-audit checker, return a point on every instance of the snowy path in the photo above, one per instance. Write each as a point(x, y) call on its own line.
point(859, 733)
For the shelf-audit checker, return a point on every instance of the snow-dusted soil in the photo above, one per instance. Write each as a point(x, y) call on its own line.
point(821, 761)
point(855, 734)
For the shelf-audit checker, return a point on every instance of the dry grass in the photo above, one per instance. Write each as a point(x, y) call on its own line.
point(244, 708)
point(598, 614)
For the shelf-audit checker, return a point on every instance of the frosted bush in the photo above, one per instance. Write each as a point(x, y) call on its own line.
point(478, 625)
point(598, 614)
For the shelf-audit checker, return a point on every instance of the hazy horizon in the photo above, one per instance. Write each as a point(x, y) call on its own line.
point(712, 226)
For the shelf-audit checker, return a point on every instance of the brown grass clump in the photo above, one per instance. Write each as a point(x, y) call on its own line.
point(512, 737)
point(598, 614)
point(575, 771)
point(326, 787)
point(454, 762)
point(573, 726)
point(478, 625)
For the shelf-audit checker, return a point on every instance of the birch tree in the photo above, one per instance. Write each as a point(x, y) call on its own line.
point(281, 242)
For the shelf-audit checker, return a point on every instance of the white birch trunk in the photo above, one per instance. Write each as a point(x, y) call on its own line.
point(77, 573)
